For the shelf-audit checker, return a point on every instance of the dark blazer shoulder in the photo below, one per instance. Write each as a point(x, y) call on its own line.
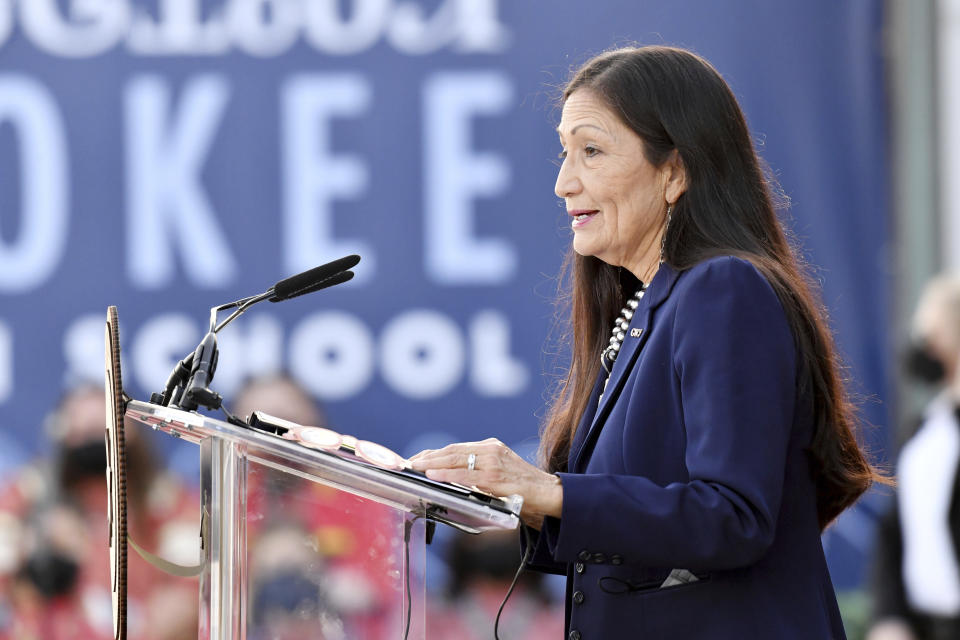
point(717, 268)
point(727, 277)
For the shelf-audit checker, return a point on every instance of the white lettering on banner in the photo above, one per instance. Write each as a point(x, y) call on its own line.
point(422, 354)
point(497, 373)
point(330, 33)
point(247, 349)
point(412, 33)
point(480, 30)
point(455, 176)
point(253, 347)
point(88, 28)
point(180, 30)
point(29, 259)
point(6, 362)
point(470, 25)
point(83, 350)
point(166, 200)
point(331, 354)
point(313, 176)
point(6, 20)
point(260, 36)
point(94, 26)
point(162, 342)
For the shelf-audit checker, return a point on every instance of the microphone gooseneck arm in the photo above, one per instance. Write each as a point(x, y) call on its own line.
point(245, 304)
point(189, 383)
point(272, 296)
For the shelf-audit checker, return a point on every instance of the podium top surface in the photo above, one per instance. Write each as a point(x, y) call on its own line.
point(409, 491)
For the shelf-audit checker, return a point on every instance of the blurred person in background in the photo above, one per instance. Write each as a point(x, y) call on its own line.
point(57, 584)
point(916, 587)
point(281, 396)
point(481, 570)
point(288, 587)
point(339, 536)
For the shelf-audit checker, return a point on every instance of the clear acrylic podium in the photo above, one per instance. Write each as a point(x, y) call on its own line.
point(300, 543)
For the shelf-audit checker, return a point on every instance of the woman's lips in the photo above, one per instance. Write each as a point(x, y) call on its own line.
point(582, 216)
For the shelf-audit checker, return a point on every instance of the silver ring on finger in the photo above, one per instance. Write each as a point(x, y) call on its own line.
point(471, 462)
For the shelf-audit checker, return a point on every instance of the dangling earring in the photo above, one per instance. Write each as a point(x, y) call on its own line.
point(666, 226)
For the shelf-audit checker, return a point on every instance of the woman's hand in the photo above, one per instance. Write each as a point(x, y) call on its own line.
point(497, 470)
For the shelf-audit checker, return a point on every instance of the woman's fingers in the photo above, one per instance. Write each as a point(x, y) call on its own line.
point(425, 452)
point(497, 470)
point(439, 460)
point(454, 466)
point(456, 455)
point(495, 467)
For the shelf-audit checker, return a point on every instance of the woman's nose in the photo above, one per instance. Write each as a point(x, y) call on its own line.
point(568, 184)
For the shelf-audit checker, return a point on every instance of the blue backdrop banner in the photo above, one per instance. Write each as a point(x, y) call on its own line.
point(167, 156)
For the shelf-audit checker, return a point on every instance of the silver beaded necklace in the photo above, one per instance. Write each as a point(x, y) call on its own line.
point(609, 355)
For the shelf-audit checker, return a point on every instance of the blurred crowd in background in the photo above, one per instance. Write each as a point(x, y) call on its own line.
point(320, 563)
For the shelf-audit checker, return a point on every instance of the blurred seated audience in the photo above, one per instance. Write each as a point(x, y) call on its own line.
point(55, 563)
point(482, 568)
point(916, 586)
point(349, 540)
point(288, 591)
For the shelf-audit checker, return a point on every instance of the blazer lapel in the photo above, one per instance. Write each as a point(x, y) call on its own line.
point(637, 334)
point(587, 418)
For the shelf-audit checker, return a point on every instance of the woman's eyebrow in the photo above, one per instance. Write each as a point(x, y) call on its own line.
point(579, 126)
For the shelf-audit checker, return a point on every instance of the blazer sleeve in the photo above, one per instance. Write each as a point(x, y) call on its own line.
point(540, 554)
point(735, 363)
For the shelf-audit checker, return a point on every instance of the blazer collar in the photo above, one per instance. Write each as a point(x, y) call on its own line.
point(637, 333)
point(661, 285)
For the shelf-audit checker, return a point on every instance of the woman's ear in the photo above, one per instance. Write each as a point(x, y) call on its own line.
point(675, 175)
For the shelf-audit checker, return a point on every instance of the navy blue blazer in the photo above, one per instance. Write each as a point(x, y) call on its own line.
point(694, 459)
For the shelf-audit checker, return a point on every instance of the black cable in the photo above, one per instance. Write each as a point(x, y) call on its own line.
point(523, 565)
point(407, 527)
point(232, 419)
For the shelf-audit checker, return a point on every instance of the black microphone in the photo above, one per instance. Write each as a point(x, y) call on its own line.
point(339, 278)
point(189, 382)
point(311, 279)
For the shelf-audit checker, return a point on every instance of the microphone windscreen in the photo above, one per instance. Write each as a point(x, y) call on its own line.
point(339, 278)
point(295, 285)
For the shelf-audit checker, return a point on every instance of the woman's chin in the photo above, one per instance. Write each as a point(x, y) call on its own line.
point(583, 246)
point(588, 250)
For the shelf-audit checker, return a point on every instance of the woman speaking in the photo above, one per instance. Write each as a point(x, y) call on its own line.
point(702, 438)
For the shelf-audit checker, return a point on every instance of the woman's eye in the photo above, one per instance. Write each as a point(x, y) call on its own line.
point(562, 155)
point(590, 151)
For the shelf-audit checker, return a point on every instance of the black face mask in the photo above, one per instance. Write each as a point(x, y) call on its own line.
point(51, 572)
point(82, 462)
point(920, 364)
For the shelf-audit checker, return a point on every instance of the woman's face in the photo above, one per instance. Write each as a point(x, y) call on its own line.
point(617, 200)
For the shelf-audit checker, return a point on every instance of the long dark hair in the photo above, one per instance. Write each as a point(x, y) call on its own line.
point(673, 99)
